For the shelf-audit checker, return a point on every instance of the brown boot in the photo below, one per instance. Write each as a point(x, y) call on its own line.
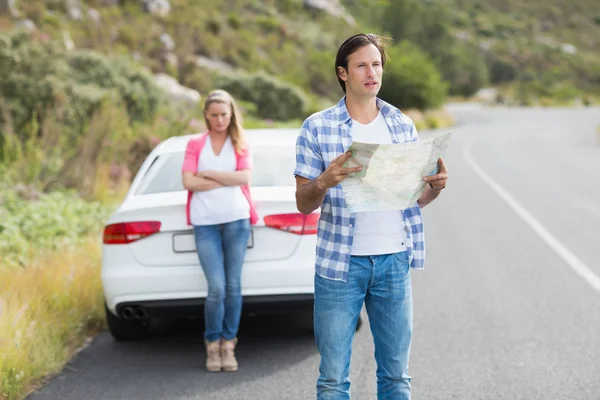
point(228, 355)
point(213, 356)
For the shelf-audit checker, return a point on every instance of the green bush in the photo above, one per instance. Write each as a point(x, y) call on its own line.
point(464, 68)
point(501, 70)
point(45, 224)
point(134, 85)
point(273, 98)
point(201, 79)
point(428, 26)
point(321, 74)
point(234, 21)
point(411, 80)
point(45, 83)
point(37, 85)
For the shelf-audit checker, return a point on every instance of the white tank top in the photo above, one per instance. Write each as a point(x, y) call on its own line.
point(376, 232)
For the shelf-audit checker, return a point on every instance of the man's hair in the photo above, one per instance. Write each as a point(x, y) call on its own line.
point(354, 43)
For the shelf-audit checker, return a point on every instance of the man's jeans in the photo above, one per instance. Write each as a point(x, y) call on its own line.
point(221, 250)
point(383, 284)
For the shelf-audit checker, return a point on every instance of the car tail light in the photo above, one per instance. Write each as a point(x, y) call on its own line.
point(297, 223)
point(127, 232)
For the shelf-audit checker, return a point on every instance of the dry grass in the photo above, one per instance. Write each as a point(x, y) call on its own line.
point(46, 312)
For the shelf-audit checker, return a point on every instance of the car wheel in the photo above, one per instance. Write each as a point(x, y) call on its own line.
point(123, 330)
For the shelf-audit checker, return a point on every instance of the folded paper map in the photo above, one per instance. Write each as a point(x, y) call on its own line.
point(392, 175)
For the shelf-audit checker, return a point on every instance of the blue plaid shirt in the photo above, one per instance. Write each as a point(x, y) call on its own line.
point(324, 136)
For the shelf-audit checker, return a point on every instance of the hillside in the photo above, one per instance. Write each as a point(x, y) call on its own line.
point(81, 78)
point(197, 41)
point(551, 22)
point(72, 64)
point(540, 50)
point(548, 46)
point(554, 38)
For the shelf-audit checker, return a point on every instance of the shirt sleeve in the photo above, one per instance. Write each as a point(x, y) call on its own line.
point(246, 159)
point(414, 135)
point(309, 161)
point(191, 157)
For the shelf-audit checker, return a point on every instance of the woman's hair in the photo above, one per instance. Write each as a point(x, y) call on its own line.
point(234, 130)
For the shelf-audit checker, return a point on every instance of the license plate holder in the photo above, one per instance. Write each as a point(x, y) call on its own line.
point(185, 242)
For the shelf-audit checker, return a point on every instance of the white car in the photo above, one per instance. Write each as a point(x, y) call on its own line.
point(150, 268)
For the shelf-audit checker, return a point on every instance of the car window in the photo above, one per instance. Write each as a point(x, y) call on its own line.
point(164, 175)
point(273, 166)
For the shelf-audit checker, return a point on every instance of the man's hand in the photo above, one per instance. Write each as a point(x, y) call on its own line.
point(438, 181)
point(310, 193)
point(335, 172)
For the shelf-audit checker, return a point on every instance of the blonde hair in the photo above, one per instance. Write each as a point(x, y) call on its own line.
point(235, 129)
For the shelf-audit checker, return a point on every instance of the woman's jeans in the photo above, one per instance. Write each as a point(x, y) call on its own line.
point(221, 250)
point(383, 284)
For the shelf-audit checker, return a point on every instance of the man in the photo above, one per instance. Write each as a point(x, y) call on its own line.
point(364, 257)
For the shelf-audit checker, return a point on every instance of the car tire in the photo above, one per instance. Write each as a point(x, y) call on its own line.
point(123, 330)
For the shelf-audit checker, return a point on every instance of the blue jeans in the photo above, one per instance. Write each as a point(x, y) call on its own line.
point(383, 284)
point(221, 250)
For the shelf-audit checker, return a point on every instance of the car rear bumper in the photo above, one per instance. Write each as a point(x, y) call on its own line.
point(193, 307)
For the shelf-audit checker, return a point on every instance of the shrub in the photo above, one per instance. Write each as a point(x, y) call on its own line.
point(273, 98)
point(411, 80)
point(55, 219)
point(62, 113)
point(134, 85)
point(44, 82)
point(234, 21)
point(501, 70)
point(464, 68)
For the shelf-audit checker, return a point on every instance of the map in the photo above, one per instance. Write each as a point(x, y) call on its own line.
point(392, 175)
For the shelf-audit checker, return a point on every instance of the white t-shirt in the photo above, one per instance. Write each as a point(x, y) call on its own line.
point(224, 204)
point(376, 232)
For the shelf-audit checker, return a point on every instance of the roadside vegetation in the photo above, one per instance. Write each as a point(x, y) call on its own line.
point(50, 299)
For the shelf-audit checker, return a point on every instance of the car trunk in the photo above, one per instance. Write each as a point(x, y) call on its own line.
point(174, 244)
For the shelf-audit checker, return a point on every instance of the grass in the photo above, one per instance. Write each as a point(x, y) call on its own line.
point(50, 288)
point(46, 312)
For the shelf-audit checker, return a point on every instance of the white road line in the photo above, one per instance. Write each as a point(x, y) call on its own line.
point(571, 259)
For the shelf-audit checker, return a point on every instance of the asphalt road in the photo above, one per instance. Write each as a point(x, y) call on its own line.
point(507, 308)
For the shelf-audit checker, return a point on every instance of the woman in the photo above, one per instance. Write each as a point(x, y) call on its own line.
point(216, 172)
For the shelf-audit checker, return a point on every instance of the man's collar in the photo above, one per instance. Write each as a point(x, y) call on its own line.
point(341, 111)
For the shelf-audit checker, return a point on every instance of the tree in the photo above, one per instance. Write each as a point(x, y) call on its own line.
point(411, 80)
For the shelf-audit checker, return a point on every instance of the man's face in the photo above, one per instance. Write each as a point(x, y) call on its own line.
point(365, 70)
